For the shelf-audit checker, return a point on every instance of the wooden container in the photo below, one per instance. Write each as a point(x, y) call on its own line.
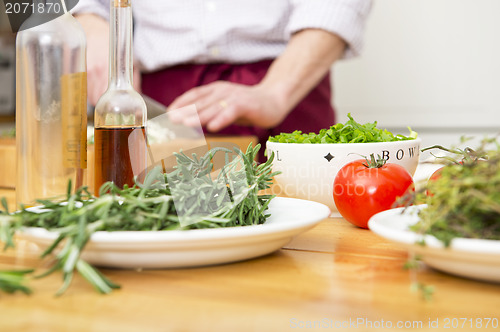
point(7, 163)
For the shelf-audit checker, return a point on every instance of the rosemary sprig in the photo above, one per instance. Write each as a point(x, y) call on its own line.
point(161, 203)
point(14, 281)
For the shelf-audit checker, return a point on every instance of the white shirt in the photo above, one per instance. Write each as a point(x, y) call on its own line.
point(171, 32)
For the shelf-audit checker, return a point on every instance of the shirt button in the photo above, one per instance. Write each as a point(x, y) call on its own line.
point(211, 6)
point(215, 51)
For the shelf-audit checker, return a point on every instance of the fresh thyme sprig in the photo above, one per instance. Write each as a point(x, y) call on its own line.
point(232, 198)
point(464, 199)
point(413, 265)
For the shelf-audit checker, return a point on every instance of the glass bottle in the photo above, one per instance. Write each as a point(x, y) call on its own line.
point(120, 114)
point(51, 106)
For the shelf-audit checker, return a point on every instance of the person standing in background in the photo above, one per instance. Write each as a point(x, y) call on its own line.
point(258, 67)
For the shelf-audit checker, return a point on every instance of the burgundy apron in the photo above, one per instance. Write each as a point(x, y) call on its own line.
point(313, 113)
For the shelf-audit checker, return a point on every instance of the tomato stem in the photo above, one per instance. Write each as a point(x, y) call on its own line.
point(374, 163)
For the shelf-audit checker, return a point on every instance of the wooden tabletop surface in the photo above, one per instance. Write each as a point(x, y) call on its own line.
point(335, 276)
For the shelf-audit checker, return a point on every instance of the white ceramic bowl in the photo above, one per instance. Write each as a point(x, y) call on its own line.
point(308, 170)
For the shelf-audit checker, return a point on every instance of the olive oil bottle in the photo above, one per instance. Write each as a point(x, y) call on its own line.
point(51, 105)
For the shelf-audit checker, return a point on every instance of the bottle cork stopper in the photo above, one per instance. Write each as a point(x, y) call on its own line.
point(121, 3)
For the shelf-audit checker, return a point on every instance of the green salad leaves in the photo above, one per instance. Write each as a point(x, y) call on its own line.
point(350, 132)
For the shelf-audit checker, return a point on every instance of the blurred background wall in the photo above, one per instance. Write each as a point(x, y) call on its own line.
point(433, 65)
point(7, 65)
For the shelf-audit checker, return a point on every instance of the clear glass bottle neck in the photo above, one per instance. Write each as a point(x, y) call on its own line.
point(120, 55)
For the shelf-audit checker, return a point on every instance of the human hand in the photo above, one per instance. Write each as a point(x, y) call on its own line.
point(306, 60)
point(221, 103)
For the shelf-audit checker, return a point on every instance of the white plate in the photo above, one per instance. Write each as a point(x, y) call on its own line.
point(172, 249)
point(471, 258)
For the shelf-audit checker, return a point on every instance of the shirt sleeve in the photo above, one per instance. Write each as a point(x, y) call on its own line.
point(345, 18)
point(98, 7)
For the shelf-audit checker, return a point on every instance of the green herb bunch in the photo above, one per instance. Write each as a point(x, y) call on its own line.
point(350, 132)
point(9, 133)
point(14, 281)
point(232, 198)
point(463, 200)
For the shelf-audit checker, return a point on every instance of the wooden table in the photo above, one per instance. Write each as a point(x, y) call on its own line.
point(333, 276)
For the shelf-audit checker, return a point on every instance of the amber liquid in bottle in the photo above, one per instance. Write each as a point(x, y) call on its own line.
point(115, 150)
point(120, 114)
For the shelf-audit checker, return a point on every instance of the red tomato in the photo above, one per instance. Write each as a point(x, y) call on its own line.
point(360, 191)
point(436, 175)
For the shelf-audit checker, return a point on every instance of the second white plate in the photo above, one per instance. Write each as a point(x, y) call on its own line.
point(190, 248)
point(471, 258)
